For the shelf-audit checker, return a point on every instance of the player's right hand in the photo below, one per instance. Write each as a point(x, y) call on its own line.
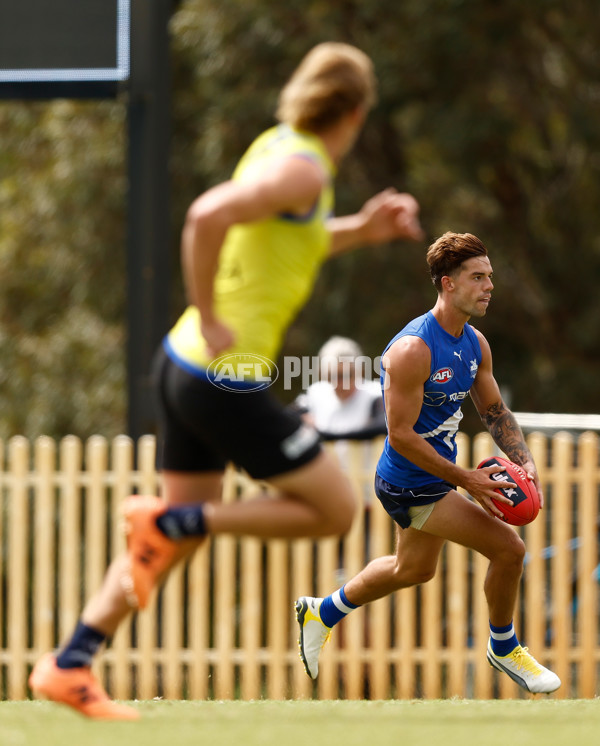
point(483, 488)
point(217, 336)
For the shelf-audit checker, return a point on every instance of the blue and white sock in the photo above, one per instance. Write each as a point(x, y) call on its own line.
point(335, 607)
point(503, 639)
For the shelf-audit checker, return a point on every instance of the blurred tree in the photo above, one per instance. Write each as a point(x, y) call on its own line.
point(487, 113)
point(62, 259)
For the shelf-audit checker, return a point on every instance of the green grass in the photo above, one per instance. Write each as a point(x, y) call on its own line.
point(307, 723)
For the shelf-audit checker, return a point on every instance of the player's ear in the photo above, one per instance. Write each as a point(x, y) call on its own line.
point(447, 283)
point(358, 115)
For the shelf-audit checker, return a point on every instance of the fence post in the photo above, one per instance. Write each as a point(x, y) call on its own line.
point(378, 614)
point(96, 460)
point(457, 610)
point(432, 635)
point(534, 575)
point(301, 585)
point(224, 610)
point(327, 564)
point(483, 446)
point(457, 606)
point(250, 581)
point(122, 466)
point(277, 620)
point(147, 624)
point(352, 630)
point(69, 577)
point(18, 588)
point(587, 576)
point(44, 546)
point(172, 598)
point(562, 470)
point(199, 615)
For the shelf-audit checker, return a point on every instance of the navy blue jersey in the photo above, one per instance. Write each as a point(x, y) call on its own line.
point(454, 365)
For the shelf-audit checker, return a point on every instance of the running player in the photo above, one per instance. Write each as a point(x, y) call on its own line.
point(251, 250)
point(430, 367)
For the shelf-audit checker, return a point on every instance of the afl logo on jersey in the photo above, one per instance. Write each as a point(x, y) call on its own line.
point(442, 375)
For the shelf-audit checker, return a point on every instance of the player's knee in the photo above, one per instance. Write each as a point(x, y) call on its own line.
point(405, 577)
point(519, 551)
point(340, 515)
point(421, 575)
point(513, 553)
point(340, 523)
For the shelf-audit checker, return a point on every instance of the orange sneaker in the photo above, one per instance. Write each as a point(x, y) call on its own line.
point(78, 688)
point(150, 551)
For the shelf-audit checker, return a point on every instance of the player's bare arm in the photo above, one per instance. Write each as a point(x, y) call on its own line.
point(407, 363)
point(498, 419)
point(293, 185)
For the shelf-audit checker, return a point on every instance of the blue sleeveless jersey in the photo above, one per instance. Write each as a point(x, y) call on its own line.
point(454, 364)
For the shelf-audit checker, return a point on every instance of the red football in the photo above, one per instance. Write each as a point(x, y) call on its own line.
point(525, 498)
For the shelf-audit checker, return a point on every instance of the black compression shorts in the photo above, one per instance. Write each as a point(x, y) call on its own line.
point(203, 427)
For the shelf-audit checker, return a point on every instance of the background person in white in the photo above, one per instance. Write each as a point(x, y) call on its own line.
point(346, 405)
point(343, 404)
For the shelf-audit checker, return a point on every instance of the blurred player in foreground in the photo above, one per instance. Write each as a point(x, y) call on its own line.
point(430, 367)
point(251, 250)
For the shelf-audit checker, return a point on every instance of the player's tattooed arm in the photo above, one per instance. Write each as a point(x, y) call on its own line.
point(506, 433)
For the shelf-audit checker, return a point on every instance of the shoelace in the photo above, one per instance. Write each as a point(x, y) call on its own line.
point(523, 660)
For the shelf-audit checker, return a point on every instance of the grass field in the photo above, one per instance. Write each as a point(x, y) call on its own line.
point(305, 723)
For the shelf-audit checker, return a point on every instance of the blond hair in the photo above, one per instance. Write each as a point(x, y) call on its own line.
point(332, 80)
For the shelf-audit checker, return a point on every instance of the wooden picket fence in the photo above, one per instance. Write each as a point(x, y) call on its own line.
point(223, 625)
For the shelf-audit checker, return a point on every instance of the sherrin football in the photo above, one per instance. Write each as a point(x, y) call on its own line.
point(525, 498)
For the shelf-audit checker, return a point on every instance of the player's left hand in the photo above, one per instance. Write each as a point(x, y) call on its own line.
point(531, 472)
point(390, 215)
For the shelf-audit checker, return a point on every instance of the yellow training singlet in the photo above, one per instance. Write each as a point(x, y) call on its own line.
point(267, 268)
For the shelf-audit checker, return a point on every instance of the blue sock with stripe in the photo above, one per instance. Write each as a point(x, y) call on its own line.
point(503, 639)
point(81, 648)
point(335, 607)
